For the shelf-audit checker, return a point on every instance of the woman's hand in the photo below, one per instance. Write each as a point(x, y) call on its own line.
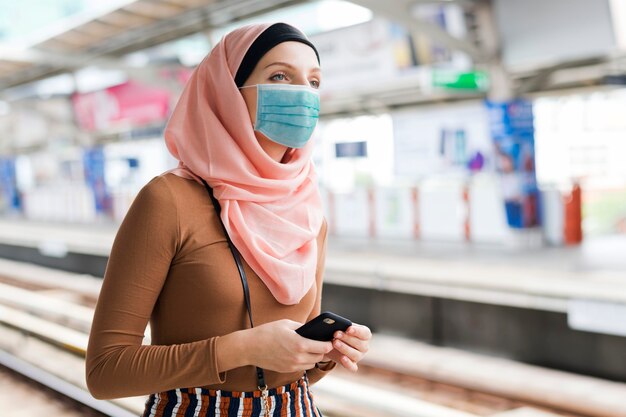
point(277, 347)
point(350, 346)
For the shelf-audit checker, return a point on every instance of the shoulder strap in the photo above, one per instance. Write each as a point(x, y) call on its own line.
point(242, 273)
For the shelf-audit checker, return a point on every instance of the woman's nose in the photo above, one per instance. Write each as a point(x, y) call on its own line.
point(301, 79)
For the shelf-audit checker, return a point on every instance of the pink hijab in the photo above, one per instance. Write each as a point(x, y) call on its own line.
point(272, 211)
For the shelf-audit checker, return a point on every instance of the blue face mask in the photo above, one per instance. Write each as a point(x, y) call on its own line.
point(286, 113)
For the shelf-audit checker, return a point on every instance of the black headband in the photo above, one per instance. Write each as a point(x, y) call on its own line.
point(272, 36)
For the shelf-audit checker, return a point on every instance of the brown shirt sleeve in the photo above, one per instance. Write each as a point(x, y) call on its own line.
point(117, 364)
point(317, 373)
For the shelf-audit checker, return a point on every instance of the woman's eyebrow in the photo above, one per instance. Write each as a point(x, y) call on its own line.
point(286, 64)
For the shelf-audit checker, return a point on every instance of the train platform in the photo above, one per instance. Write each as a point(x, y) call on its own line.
point(539, 278)
point(559, 307)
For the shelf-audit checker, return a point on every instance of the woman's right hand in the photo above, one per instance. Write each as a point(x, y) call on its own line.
point(277, 347)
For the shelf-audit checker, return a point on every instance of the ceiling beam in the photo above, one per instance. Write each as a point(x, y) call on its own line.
point(38, 57)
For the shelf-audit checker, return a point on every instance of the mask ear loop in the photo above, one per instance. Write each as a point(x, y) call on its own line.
point(257, 103)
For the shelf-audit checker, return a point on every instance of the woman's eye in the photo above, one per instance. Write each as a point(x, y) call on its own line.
point(278, 77)
point(315, 84)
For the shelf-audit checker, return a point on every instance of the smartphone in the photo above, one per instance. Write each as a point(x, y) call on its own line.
point(324, 326)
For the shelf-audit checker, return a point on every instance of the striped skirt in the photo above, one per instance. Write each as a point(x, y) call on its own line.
point(290, 400)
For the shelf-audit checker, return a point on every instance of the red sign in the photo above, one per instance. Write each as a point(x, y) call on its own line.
point(128, 104)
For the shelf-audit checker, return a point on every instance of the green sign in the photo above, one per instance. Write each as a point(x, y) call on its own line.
point(455, 80)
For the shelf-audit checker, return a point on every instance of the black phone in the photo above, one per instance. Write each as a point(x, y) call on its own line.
point(324, 326)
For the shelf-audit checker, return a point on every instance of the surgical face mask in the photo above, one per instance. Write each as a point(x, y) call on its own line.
point(286, 113)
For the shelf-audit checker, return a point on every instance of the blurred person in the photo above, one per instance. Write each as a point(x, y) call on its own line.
point(241, 131)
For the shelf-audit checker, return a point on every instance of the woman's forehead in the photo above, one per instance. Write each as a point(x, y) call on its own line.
point(296, 54)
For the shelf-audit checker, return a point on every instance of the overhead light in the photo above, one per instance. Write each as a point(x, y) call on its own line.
point(94, 79)
point(62, 84)
point(137, 59)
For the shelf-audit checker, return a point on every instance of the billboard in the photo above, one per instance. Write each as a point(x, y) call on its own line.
point(513, 135)
point(128, 104)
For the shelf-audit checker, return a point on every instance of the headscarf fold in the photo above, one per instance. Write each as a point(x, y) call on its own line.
point(272, 211)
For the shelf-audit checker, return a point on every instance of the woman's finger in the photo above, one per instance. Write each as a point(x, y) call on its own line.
point(359, 344)
point(343, 360)
point(347, 350)
point(360, 331)
point(349, 364)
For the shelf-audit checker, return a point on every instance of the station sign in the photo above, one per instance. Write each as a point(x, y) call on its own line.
point(458, 80)
point(351, 149)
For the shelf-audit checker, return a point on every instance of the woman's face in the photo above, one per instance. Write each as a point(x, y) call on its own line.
point(287, 63)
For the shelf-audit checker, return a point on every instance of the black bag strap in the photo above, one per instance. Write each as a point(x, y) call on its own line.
point(244, 281)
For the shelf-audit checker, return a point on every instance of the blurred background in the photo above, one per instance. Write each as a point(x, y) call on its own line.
point(471, 157)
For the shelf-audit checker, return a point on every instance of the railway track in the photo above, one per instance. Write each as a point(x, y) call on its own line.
point(44, 325)
point(21, 396)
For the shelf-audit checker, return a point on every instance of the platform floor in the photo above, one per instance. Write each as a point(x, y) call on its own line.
point(594, 254)
point(541, 278)
point(603, 253)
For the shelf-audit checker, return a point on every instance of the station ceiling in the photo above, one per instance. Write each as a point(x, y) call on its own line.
point(133, 26)
point(103, 37)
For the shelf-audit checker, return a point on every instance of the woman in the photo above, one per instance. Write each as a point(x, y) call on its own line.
point(241, 132)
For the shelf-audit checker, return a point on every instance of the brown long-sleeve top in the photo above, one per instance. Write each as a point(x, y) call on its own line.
point(170, 265)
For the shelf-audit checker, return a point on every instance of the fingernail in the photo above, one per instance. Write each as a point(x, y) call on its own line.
point(339, 335)
point(338, 343)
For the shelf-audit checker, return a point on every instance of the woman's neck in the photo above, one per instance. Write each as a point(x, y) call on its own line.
point(276, 151)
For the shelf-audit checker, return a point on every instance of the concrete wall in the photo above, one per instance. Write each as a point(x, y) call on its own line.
point(532, 336)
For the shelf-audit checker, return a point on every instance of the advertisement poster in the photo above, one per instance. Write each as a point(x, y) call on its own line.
point(513, 134)
point(128, 104)
point(431, 141)
point(95, 177)
point(9, 194)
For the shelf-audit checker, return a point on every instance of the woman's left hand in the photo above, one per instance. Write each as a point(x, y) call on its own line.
point(350, 347)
